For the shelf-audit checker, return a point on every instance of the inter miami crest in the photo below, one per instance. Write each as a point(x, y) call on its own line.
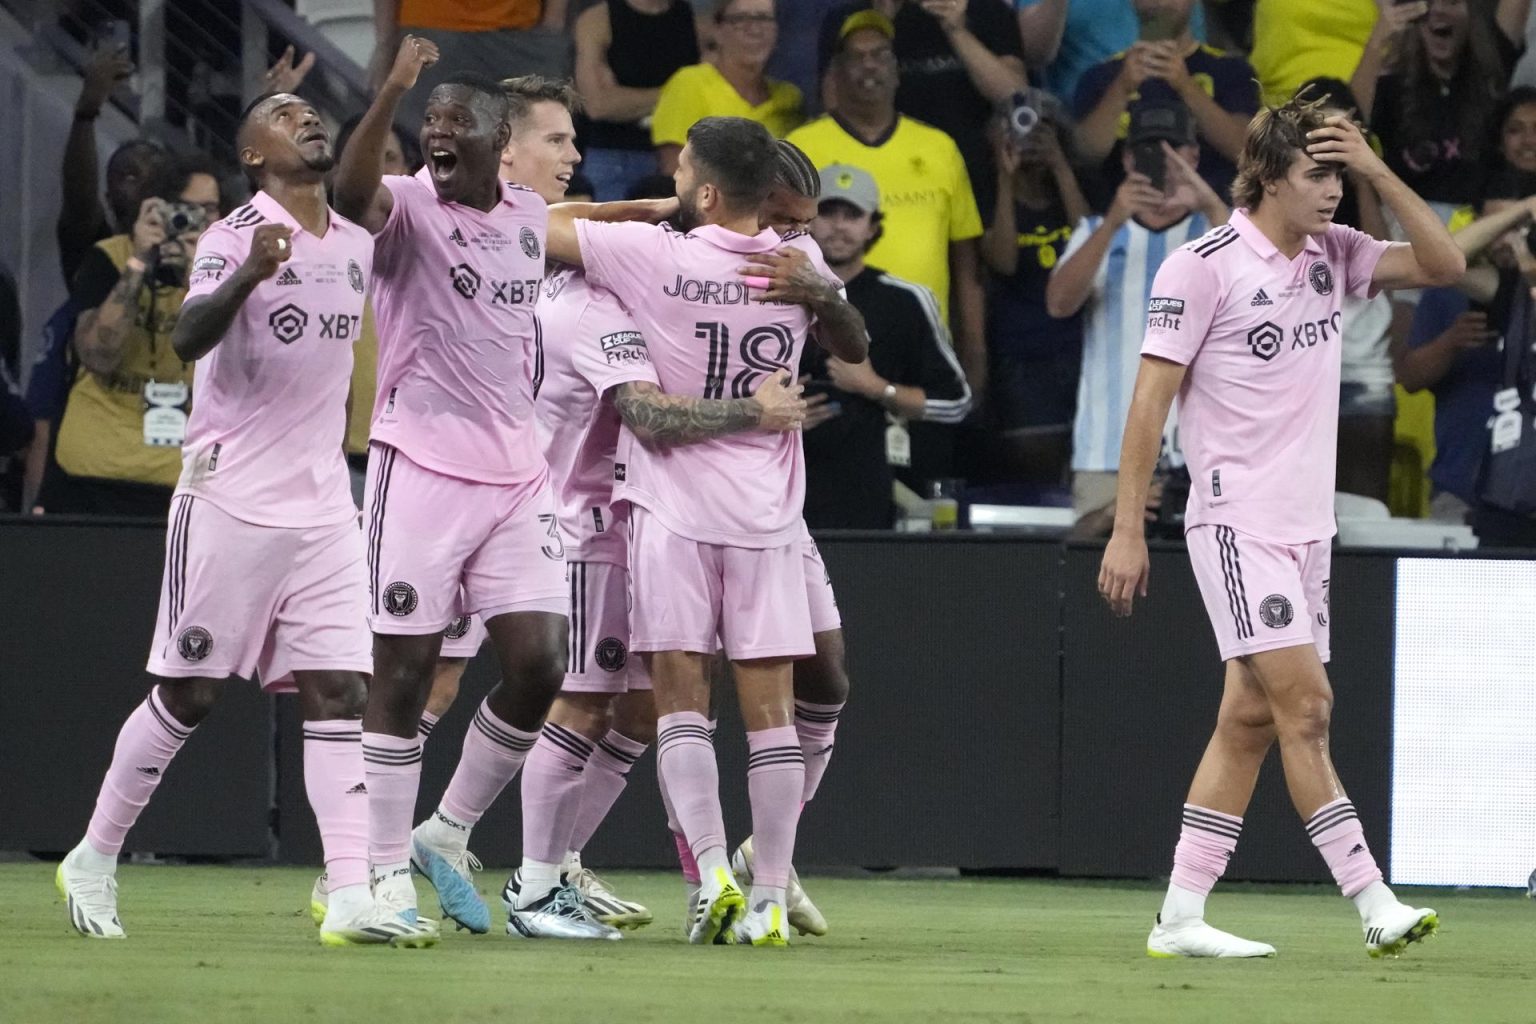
point(611, 654)
point(1321, 278)
point(355, 276)
point(457, 628)
point(529, 242)
point(399, 599)
point(1276, 611)
point(195, 643)
point(1264, 340)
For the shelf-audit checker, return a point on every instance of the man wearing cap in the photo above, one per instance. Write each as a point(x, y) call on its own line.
point(1167, 64)
point(855, 432)
point(930, 219)
point(1106, 272)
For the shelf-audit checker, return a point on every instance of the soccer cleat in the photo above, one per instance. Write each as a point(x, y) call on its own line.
point(803, 915)
point(599, 899)
point(452, 875)
point(715, 909)
point(91, 897)
point(764, 926)
point(378, 926)
point(1387, 934)
point(397, 895)
point(320, 899)
point(558, 914)
point(1198, 939)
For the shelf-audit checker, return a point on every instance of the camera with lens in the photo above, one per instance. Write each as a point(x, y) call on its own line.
point(180, 220)
point(1021, 115)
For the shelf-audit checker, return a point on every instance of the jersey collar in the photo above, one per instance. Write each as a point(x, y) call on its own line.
point(1260, 243)
point(765, 240)
point(274, 211)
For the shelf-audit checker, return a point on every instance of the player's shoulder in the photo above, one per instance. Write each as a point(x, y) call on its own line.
point(242, 218)
point(1209, 244)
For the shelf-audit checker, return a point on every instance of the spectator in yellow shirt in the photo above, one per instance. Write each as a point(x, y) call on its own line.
point(733, 85)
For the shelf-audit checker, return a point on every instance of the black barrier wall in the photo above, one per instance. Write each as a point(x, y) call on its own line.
point(1000, 718)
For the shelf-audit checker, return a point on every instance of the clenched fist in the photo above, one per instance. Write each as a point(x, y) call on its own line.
point(271, 245)
point(414, 54)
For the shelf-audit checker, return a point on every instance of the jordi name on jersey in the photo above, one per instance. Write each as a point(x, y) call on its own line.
point(709, 293)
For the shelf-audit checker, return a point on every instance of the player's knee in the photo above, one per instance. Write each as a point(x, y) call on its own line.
point(1308, 717)
point(823, 678)
point(341, 696)
point(634, 717)
point(188, 700)
point(586, 713)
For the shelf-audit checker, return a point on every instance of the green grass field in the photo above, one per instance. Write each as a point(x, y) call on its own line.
point(230, 945)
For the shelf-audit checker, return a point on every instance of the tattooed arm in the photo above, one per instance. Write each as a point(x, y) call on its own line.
point(100, 332)
point(662, 420)
point(788, 275)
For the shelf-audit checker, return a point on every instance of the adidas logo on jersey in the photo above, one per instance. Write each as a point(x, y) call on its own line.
point(288, 277)
point(1260, 298)
point(457, 238)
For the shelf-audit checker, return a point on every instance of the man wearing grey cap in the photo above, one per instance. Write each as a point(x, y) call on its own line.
point(855, 430)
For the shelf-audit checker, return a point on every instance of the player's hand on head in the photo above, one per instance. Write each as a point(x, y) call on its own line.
point(1124, 571)
point(783, 408)
point(271, 245)
point(1341, 141)
point(414, 54)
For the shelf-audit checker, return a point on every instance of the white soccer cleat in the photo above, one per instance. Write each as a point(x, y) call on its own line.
point(1390, 932)
point(600, 901)
point(320, 899)
point(558, 914)
point(804, 917)
point(376, 925)
point(715, 909)
point(763, 926)
point(91, 897)
point(1195, 938)
point(396, 895)
point(452, 874)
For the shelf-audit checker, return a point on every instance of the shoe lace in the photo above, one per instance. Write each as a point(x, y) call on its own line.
point(589, 882)
point(98, 893)
point(566, 903)
point(466, 864)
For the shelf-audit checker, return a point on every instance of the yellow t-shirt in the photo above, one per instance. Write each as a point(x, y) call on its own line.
point(925, 195)
point(102, 434)
point(365, 372)
point(1296, 40)
point(699, 90)
point(469, 15)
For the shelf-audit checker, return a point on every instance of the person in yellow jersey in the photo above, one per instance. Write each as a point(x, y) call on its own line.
point(732, 84)
point(932, 225)
point(119, 443)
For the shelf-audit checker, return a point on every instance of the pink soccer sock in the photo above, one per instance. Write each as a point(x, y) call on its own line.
point(815, 726)
point(685, 758)
point(775, 780)
point(392, 770)
point(684, 851)
point(493, 752)
point(1206, 842)
point(552, 788)
point(606, 776)
point(333, 778)
point(428, 723)
point(145, 745)
point(1336, 832)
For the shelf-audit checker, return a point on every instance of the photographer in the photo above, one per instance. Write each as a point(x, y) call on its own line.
point(1034, 357)
point(1162, 204)
point(119, 445)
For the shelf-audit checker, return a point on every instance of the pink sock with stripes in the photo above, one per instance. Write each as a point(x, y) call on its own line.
point(685, 758)
point(815, 727)
point(552, 792)
point(392, 772)
point(145, 745)
point(605, 778)
point(1336, 832)
point(333, 778)
point(1206, 842)
point(775, 780)
point(493, 752)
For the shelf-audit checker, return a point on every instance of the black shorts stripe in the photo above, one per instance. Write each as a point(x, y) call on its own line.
point(577, 664)
point(175, 578)
point(1237, 575)
point(1232, 572)
point(386, 456)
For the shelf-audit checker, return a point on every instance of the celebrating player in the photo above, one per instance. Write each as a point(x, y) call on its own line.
point(1244, 326)
point(715, 528)
point(460, 517)
point(265, 569)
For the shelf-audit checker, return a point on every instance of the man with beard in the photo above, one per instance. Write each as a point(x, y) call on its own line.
point(265, 571)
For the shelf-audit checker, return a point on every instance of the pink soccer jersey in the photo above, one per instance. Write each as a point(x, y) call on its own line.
point(590, 345)
point(264, 438)
point(459, 350)
point(708, 336)
point(1259, 407)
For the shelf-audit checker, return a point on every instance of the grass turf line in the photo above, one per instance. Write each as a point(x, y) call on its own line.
point(235, 945)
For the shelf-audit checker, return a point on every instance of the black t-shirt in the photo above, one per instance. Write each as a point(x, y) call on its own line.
point(935, 87)
point(645, 50)
point(75, 247)
point(847, 478)
point(1017, 322)
point(1433, 155)
point(95, 279)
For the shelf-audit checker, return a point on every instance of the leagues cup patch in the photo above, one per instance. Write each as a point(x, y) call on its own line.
point(355, 276)
point(529, 242)
point(1321, 278)
point(195, 643)
point(1158, 304)
point(457, 628)
point(209, 263)
point(399, 599)
point(1276, 611)
point(611, 654)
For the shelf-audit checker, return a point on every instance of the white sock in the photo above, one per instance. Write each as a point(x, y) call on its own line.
point(538, 878)
point(1374, 898)
point(392, 874)
point(765, 893)
point(348, 902)
point(88, 858)
point(1182, 905)
point(711, 859)
point(443, 832)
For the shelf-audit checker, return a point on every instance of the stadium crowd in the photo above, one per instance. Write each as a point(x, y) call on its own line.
point(1000, 185)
